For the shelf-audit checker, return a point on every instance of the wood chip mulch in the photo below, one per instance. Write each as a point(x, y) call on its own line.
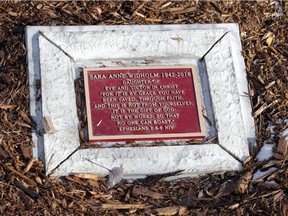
point(25, 190)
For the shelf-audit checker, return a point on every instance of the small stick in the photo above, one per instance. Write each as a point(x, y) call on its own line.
point(98, 165)
point(201, 59)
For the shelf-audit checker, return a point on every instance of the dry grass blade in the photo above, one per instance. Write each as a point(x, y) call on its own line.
point(29, 165)
point(88, 176)
point(264, 107)
point(123, 206)
point(186, 10)
point(7, 106)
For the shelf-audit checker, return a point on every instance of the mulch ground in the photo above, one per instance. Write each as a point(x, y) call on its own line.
point(25, 190)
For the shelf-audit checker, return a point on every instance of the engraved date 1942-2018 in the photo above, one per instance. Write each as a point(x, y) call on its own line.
point(141, 101)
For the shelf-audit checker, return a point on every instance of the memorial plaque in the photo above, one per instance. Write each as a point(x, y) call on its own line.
point(139, 103)
point(143, 103)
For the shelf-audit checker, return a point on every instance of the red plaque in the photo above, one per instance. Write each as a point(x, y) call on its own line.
point(143, 103)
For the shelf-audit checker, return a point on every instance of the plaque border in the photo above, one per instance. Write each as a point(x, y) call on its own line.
point(152, 136)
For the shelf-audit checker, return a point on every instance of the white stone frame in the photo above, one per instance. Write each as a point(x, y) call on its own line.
point(55, 53)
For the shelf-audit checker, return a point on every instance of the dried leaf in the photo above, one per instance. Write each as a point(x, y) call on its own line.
point(25, 117)
point(279, 156)
point(3, 153)
point(48, 125)
point(282, 147)
point(24, 124)
point(226, 189)
point(167, 210)
point(38, 180)
point(115, 176)
point(234, 206)
point(278, 196)
point(177, 38)
point(50, 13)
point(243, 183)
point(269, 37)
point(29, 165)
point(247, 160)
point(7, 79)
point(182, 211)
point(25, 150)
point(12, 14)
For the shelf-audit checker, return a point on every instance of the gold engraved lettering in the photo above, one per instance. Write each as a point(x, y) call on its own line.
point(147, 122)
point(176, 74)
point(99, 106)
point(116, 88)
point(97, 76)
point(127, 99)
point(168, 86)
point(116, 117)
point(176, 98)
point(152, 104)
point(142, 75)
point(163, 121)
point(147, 93)
point(132, 110)
point(109, 100)
point(139, 82)
point(145, 110)
point(140, 128)
point(141, 87)
point(177, 91)
point(115, 106)
point(156, 98)
point(143, 116)
point(106, 94)
point(117, 76)
point(178, 103)
point(132, 122)
point(172, 115)
point(169, 127)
